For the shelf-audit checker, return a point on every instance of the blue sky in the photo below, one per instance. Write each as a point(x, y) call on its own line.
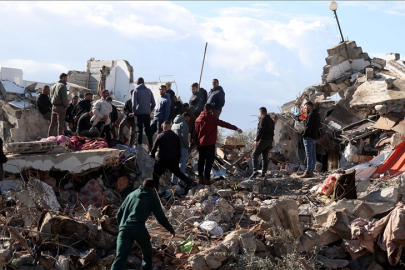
point(263, 53)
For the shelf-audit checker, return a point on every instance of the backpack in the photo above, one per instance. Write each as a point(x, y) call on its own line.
point(204, 95)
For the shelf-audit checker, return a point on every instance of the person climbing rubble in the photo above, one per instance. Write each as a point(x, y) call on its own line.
point(131, 217)
point(263, 142)
point(129, 118)
point(180, 128)
point(84, 126)
point(311, 134)
point(169, 145)
point(58, 96)
point(206, 129)
point(44, 104)
point(216, 97)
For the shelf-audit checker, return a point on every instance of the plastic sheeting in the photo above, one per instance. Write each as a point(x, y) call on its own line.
point(367, 169)
point(395, 162)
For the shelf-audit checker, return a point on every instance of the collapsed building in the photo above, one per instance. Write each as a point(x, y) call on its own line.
point(60, 198)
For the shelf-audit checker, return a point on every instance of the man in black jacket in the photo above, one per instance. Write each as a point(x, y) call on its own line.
point(311, 135)
point(82, 107)
point(44, 104)
point(216, 97)
point(84, 125)
point(263, 142)
point(129, 118)
point(3, 159)
point(196, 100)
point(169, 155)
point(173, 100)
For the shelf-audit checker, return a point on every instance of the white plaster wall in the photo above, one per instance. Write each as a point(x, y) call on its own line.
point(12, 74)
point(118, 81)
point(336, 72)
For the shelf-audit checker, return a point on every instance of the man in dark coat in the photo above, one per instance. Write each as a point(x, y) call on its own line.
point(216, 98)
point(44, 104)
point(196, 100)
point(82, 107)
point(169, 145)
point(263, 142)
point(311, 135)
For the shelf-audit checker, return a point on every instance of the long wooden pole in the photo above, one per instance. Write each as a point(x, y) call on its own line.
point(202, 67)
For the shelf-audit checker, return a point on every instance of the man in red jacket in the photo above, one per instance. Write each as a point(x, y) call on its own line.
point(206, 129)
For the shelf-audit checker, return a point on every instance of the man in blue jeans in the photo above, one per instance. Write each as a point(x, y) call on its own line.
point(162, 112)
point(311, 135)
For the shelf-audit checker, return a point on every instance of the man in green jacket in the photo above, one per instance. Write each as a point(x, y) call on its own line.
point(131, 217)
point(60, 103)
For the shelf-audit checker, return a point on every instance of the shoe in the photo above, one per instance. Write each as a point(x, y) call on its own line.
point(305, 175)
point(254, 174)
point(208, 181)
point(201, 180)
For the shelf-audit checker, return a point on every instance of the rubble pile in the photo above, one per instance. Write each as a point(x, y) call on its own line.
point(59, 200)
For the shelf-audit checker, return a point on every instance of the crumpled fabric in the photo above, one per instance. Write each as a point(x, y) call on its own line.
point(394, 235)
point(91, 193)
point(95, 143)
point(76, 143)
point(364, 234)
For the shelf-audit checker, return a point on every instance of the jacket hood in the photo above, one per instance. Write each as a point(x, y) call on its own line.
point(170, 92)
point(205, 115)
point(62, 81)
point(141, 86)
point(144, 192)
point(169, 132)
point(179, 119)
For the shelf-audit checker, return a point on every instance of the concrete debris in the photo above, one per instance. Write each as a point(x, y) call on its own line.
point(59, 202)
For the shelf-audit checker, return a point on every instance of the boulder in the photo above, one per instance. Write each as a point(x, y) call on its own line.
point(332, 264)
point(281, 214)
point(319, 238)
point(247, 242)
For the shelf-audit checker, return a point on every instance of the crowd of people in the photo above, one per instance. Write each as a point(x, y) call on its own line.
point(179, 127)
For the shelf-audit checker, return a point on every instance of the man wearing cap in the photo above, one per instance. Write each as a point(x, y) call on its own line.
point(311, 135)
point(60, 103)
point(131, 217)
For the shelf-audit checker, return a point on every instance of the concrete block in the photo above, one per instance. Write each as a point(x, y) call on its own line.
point(378, 63)
point(363, 210)
point(389, 195)
point(362, 185)
point(369, 73)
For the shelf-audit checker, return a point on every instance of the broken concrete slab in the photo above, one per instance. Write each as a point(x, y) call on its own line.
point(375, 92)
point(321, 237)
point(248, 242)
point(74, 162)
point(323, 213)
point(389, 195)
